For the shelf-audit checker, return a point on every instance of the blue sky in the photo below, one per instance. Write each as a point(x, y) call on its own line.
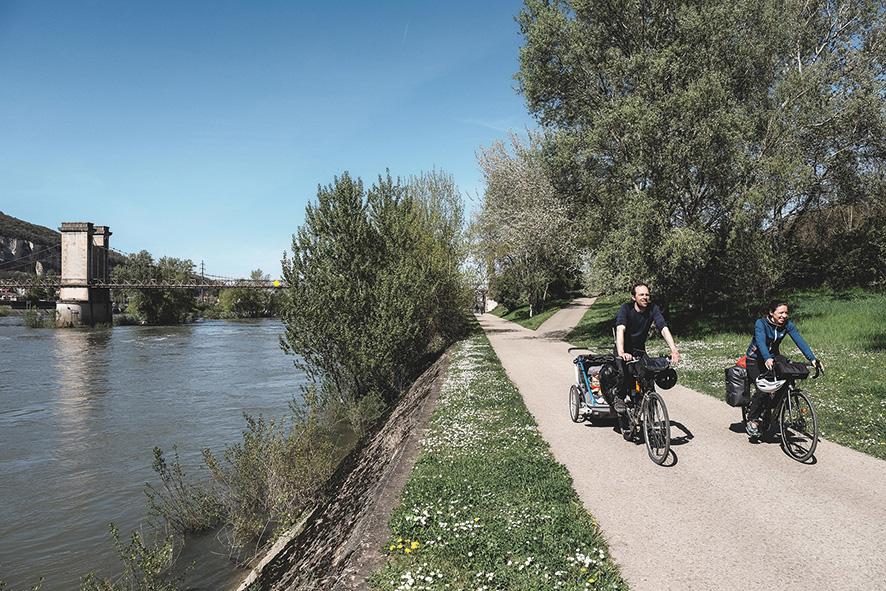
point(201, 129)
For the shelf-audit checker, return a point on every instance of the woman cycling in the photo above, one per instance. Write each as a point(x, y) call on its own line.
point(768, 334)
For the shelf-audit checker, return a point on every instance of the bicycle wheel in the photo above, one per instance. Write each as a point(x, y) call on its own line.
point(656, 428)
point(575, 404)
point(799, 426)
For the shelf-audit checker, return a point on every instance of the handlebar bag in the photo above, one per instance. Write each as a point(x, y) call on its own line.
point(792, 369)
point(738, 391)
point(655, 364)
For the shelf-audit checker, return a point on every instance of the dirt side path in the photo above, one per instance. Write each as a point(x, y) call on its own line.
point(728, 515)
point(559, 325)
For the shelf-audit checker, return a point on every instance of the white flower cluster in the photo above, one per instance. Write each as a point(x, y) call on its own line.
point(587, 560)
point(421, 578)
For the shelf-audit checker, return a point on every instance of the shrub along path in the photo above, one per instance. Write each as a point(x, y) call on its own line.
point(727, 515)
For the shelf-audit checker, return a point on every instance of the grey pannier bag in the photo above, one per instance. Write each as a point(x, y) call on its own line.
point(738, 391)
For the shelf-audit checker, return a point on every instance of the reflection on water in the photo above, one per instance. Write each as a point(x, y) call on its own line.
point(82, 378)
point(81, 410)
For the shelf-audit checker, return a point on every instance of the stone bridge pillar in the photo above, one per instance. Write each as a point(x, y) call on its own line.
point(83, 301)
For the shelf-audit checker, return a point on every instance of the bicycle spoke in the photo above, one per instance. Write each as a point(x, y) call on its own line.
point(799, 426)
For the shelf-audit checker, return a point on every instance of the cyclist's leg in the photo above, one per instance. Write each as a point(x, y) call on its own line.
point(755, 408)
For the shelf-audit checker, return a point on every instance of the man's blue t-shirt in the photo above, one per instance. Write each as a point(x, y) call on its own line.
point(637, 324)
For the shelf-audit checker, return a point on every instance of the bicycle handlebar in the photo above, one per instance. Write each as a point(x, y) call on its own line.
point(819, 370)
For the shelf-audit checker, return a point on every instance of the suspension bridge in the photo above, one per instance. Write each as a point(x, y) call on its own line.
point(85, 283)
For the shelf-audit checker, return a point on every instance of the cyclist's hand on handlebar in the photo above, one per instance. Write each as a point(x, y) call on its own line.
point(819, 366)
point(769, 363)
point(627, 356)
point(675, 357)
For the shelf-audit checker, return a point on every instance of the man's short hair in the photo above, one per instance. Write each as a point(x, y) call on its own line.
point(636, 285)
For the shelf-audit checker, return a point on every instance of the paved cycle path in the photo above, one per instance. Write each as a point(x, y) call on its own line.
point(728, 514)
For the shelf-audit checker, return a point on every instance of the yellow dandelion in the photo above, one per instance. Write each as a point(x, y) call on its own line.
point(414, 545)
point(584, 569)
point(407, 550)
point(393, 547)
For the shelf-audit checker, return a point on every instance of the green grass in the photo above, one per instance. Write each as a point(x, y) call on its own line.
point(845, 329)
point(486, 506)
point(5, 311)
point(521, 316)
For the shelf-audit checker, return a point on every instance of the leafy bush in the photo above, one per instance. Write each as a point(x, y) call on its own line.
point(265, 482)
point(374, 282)
point(147, 566)
point(187, 507)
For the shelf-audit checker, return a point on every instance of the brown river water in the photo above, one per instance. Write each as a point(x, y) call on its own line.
point(80, 412)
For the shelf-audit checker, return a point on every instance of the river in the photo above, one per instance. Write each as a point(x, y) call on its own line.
point(81, 410)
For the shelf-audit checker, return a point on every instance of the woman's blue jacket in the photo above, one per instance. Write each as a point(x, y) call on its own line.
point(768, 337)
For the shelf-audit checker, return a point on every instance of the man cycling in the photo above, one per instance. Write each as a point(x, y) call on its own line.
point(632, 325)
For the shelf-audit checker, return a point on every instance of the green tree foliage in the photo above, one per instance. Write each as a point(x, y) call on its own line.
point(244, 302)
point(157, 306)
point(374, 282)
point(697, 135)
point(525, 231)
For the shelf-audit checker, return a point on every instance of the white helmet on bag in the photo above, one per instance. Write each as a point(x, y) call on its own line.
point(766, 383)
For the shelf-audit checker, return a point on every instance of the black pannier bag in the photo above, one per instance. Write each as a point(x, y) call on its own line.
point(738, 391)
point(791, 369)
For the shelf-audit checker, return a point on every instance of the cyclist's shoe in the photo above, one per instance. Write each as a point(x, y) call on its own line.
point(624, 425)
point(753, 429)
point(619, 405)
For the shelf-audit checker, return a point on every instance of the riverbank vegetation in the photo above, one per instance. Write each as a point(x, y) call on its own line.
point(374, 292)
point(844, 328)
point(34, 318)
point(487, 506)
point(156, 306)
point(245, 302)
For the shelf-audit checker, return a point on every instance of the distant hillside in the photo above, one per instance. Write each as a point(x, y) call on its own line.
point(11, 227)
point(29, 248)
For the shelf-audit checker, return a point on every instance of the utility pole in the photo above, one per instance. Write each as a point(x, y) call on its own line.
point(202, 280)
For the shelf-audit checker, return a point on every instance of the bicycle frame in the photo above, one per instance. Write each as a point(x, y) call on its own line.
point(791, 410)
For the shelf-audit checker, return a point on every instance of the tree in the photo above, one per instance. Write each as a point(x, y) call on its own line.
point(247, 302)
point(525, 230)
point(373, 283)
point(157, 306)
point(697, 132)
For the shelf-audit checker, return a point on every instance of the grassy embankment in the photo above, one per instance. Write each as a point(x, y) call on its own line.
point(521, 316)
point(845, 330)
point(486, 506)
